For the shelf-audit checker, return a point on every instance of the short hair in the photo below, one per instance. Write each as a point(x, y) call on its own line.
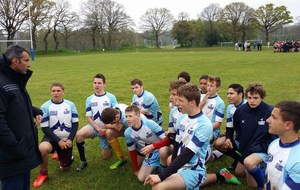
point(184, 75)
point(108, 115)
point(190, 92)
point(59, 84)
point(133, 108)
point(290, 111)
point(136, 81)
point(12, 52)
point(254, 88)
point(176, 84)
point(237, 88)
point(203, 77)
point(215, 79)
point(100, 76)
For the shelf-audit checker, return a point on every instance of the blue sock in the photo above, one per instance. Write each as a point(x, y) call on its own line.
point(256, 174)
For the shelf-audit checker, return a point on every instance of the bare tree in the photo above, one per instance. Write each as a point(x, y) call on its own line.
point(40, 13)
point(211, 14)
point(116, 19)
point(183, 16)
point(13, 13)
point(68, 25)
point(158, 21)
point(93, 18)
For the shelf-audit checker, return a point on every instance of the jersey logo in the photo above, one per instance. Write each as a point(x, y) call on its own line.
point(53, 113)
point(270, 157)
point(181, 127)
point(105, 103)
point(190, 131)
point(148, 135)
point(243, 121)
point(67, 111)
point(261, 122)
point(278, 166)
point(94, 104)
point(210, 106)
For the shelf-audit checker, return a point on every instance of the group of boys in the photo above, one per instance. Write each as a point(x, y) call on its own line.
point(179, 155)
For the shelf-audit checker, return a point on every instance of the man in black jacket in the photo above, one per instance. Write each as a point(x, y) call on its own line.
point(19, 151)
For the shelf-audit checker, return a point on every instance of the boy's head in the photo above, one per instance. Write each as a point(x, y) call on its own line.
point(255, 93)
point(132, 114)
point(99, 83)
point(110, 116)
point(57, 92)
point(184, 76)
point(174, 85)
point(203, 84)
point(188, 97)
point(137, 86)
point(285, 117)
point(213, 85)
point(235, 94)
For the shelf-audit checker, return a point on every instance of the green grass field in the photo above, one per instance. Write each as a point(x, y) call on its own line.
point(278, 72)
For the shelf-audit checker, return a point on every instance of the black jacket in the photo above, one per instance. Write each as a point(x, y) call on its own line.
point(19, 151)
point(252, 128)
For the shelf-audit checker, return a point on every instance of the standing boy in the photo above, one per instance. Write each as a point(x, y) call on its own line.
point(187, 169)
point(141, 133)
point(95, 104)
point(146, 102)
point(283, 166)
point(59, 124)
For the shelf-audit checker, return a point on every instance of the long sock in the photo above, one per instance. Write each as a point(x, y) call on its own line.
point(256, 174)
point(44, 172)
point(81, 151)
point(233, 154)
point(220, 178)
point(115, 145)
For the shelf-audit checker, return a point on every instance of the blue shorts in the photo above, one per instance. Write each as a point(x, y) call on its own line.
point(192, 178)
point(103, 141)
point(152, 159)
point(263, 156)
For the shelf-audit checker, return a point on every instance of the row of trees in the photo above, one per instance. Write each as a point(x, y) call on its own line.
point(105, 24)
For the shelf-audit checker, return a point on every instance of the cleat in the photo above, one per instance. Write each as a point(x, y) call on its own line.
point(39, 180)
point(55, 156)
point(118, 164)
point(229, 177)
point(81, 166)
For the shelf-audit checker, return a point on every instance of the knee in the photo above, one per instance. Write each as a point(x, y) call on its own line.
point(109, 134)
point(249, 163)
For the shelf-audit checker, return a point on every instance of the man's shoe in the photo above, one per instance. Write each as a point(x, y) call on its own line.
point(39, 180)
point(55, 156)
point(81, 166)
point(118, 164)
point(229, 177)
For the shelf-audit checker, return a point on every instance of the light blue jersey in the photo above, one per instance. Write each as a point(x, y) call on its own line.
point(59, 117)
point(95, 104)
point(148, 104)
point(283, 166)
point(194, 133)
point(214, 109)
point(173, 116)
point(230, 111)
point(149, 133)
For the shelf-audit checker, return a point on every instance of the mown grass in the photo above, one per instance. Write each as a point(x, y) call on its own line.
point(278, 72)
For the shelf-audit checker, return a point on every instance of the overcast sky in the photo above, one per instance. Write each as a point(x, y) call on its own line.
point(136, 8)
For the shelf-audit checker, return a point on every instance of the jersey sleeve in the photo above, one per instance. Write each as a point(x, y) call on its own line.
point(113, 100)
point(147, 102)
point(201, 136)
point(88, 107)
point(229, 120)
point(130, 142)
point(292, 180)
point(171, 122)
point(45, 118)
point(220, 109)
point(157, 129)
point(74, 113)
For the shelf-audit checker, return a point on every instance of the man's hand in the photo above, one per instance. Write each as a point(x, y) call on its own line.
point(38, 120)
point(152, 180)
point(147, 149)
point(228, 144)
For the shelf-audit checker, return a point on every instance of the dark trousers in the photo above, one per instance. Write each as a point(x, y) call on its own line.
point(17, 182)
